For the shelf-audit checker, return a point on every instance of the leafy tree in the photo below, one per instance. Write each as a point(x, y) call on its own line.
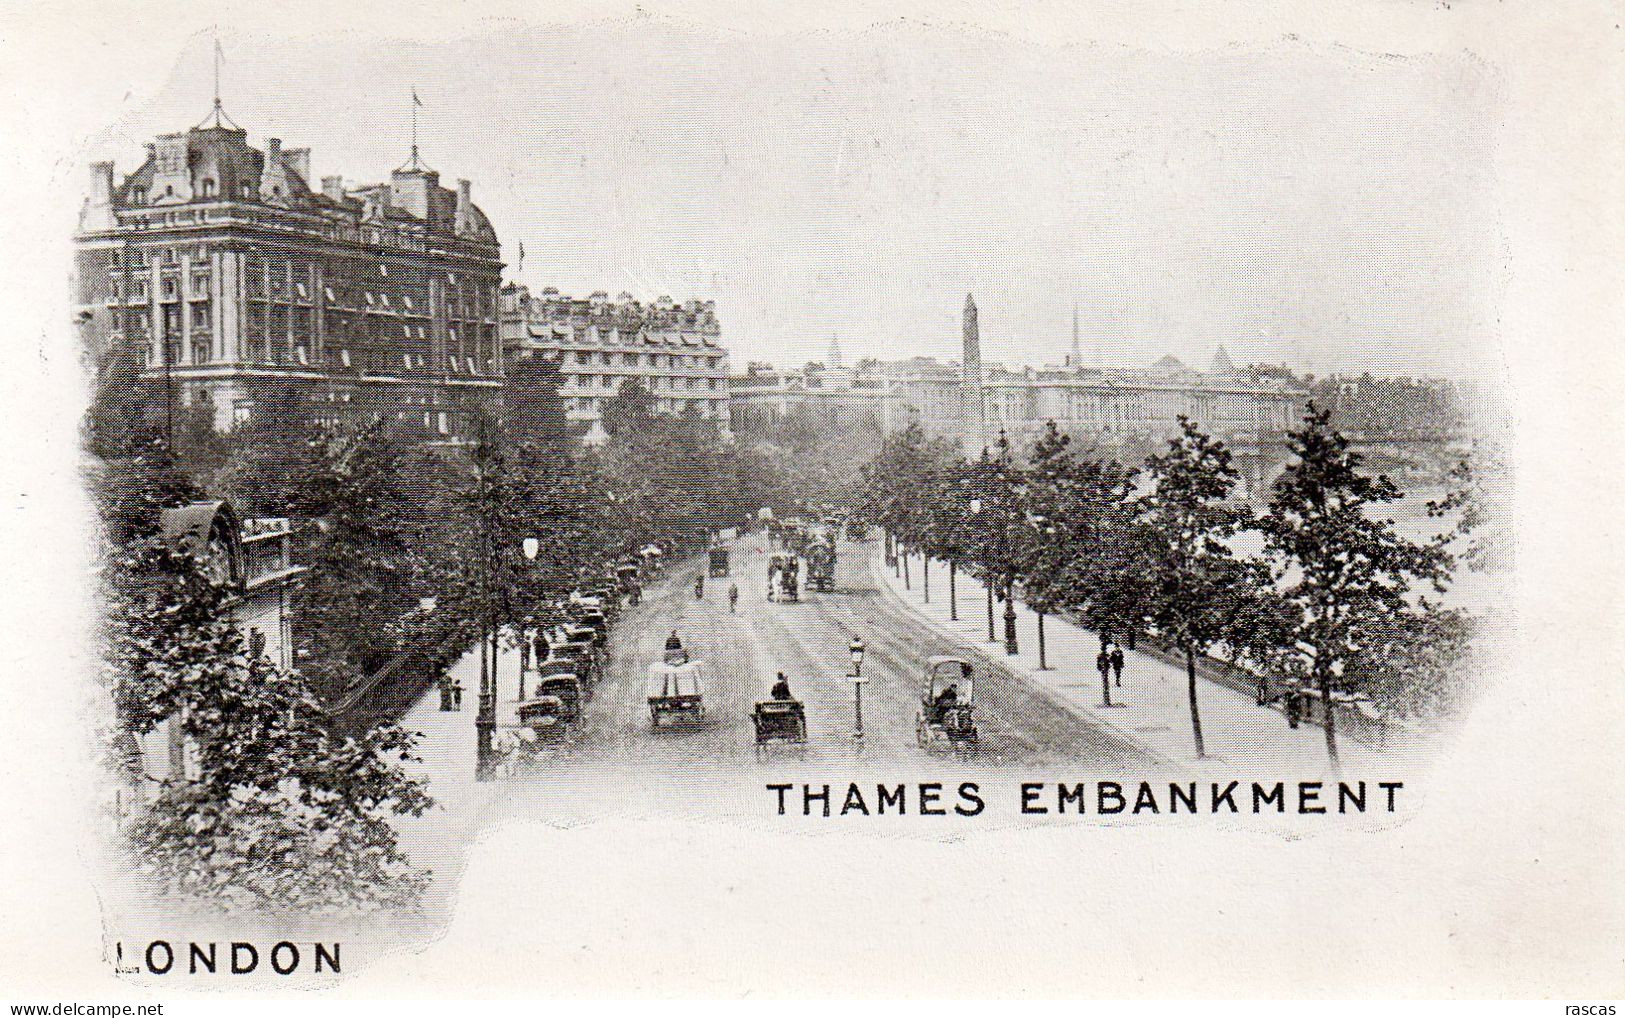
point(534, 410)
point(1199, 591)
point(281, 812)
point(629, 411)
point(1344, 575)
point(1052, 504)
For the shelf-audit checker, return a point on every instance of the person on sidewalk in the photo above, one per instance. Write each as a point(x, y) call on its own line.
point(733, 597)
point(1103, 662)
point(1117, 663)
point(699, 587)
point(1293, 702)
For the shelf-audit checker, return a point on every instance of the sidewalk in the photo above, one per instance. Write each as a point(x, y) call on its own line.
point(1238, 733)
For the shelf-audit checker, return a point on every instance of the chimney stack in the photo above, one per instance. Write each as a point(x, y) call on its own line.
point(273, 175)
point(298, 159)
point(98, 213)
point(333, 187)
point(463, 222)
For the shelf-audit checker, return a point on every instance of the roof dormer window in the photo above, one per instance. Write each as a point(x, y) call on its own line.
point(138, 196)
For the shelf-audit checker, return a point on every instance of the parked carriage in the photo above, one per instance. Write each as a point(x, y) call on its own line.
point(947, 712)
point(554, 710)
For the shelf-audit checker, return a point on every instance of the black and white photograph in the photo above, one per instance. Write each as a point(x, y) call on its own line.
point(725, 502)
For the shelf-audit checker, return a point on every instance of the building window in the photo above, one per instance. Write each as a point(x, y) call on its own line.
point(138, 196)
point(208, 187)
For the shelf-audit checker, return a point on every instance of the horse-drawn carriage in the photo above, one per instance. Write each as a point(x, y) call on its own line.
point(676, 693)
point(947, 714)
point(821, 565)
point(718, 562)
point(627, 577)
point(783, 577)
point(780, 723)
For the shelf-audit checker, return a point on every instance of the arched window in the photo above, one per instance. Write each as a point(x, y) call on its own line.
point(169, 190)
point(208, 187)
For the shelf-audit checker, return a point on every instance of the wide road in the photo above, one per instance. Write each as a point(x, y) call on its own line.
point(808, 641)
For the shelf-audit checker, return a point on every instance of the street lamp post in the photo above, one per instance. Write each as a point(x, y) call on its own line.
point(1009, 620)
point(987, 579)
point(856, 649)
point(531, 546)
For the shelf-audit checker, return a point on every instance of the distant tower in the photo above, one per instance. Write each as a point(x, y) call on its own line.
point(970, 383)
point(1076, 360)
point(835, 352)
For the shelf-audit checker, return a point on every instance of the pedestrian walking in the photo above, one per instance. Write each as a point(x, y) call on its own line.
point(456, 694)
point(733, 596)
point(1117, 663)
point(1293, 702)
point(1103, 662)
point(699, 587)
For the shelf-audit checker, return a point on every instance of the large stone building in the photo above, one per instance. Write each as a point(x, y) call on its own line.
point(972, 401)
point(223, 268)
point(673, 350)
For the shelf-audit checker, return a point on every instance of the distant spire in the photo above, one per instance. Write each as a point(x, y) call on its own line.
point(217, 116)
point(415, 163)
point(835, 351)
point(1077, 351)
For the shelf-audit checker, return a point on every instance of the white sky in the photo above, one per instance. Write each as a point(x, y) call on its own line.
point(1319, 206)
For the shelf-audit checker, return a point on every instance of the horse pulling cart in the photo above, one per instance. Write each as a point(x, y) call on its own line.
point(947, 714)
point(780, 723)
point(676, 693)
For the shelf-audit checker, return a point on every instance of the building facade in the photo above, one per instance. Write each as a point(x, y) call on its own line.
point(673, 350)
point(222, 270)
point(973, 401)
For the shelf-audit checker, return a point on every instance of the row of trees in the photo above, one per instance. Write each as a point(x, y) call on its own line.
point(1336, 597)
point(289, 808)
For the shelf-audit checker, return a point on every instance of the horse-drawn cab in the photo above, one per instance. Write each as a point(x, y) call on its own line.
point(779, 723)
point(947, 713)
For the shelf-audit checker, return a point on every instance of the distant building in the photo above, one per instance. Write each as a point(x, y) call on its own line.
point(673, 350)
point(223, 268)
point(972, 401)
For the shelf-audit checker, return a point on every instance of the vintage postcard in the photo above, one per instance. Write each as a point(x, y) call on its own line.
point(728, 500)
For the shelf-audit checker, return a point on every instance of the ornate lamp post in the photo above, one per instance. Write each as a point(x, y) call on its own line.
point(530, 546)
point(856, 649)
point(987, 581)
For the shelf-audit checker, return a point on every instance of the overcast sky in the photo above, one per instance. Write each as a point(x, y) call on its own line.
point(1325, 208)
